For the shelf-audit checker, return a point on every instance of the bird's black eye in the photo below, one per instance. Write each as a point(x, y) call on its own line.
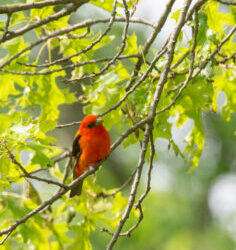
point(91, 125)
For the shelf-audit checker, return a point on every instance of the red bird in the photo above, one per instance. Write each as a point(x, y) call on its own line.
point(91, 145)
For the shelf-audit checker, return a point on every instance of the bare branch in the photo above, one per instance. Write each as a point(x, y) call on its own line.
point(194, 8)
point(6, 27)
point(148, 187)
point(13, 159)
point(65, 175)
point(49, 201)
point(68, 124)
point(62, 157)
point(71, 66)
point(226, 58)
point(217, 49)
point(133, 189)
point(168, 49)
point(180, 60)
point(5, 238)
point(27, 174)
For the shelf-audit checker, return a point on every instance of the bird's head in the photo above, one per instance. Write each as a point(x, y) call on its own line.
point(91, 121)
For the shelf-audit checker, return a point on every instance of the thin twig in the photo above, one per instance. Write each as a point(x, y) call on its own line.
point(6, 27)
point(226, 58)
point(60, 158)
point(138, 204)
point(65, 175)
point(13, 159)
point(68, 124)
point(148, 187)
point(216, 50)
point(27, 174)
point(203, 64)
point(180, 60)
point(49, 201)
point(5, 238)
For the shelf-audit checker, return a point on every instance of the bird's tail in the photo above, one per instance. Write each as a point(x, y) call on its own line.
point(76, 190)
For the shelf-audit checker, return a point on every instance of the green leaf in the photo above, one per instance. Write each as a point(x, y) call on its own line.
point(213, 13)
point(175, 15)
point(39, 156)
point(225, 83)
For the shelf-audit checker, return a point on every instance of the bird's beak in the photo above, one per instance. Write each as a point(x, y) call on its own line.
point(99, 121)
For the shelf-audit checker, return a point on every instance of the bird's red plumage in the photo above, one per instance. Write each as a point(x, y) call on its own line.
point(94, 144)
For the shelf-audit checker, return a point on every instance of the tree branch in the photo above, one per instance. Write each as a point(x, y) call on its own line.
point(27, 174)
point(34, 5)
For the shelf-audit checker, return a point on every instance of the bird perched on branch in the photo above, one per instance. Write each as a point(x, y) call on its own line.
point(91, 145)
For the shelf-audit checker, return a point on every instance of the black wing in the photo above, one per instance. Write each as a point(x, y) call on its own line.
point(76, 150)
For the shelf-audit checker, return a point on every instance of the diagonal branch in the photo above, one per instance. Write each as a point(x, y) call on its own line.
point(5, 32)
point(24, 171)
point(148, 187)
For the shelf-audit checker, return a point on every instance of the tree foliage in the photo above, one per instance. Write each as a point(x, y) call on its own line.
point(137, 89)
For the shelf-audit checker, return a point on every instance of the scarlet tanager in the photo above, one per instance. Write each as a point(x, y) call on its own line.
point(91, 145)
